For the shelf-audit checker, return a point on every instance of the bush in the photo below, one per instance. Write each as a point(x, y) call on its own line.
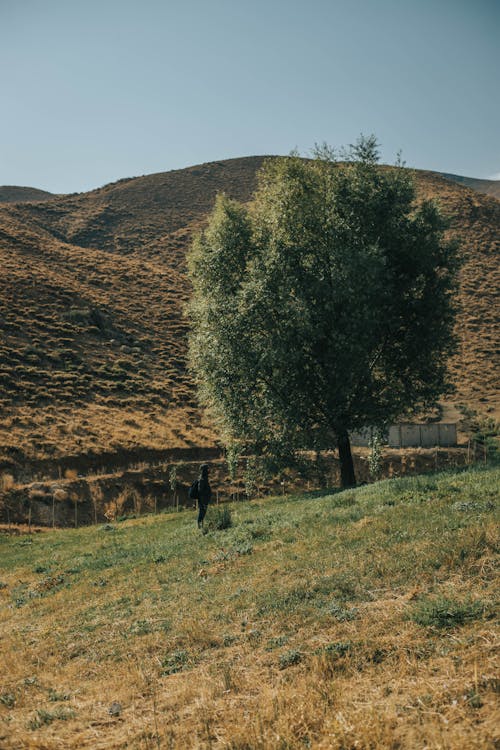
point(486, 437)
point(175, 662)
point(288, 658)
point(220, 519)
point(375, 457)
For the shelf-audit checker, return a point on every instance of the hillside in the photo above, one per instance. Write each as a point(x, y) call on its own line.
point(488, 187)
point(17, 194)
point(93, 338)
point(359, 619)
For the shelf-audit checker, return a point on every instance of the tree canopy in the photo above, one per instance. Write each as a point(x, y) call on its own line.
point(324, 306)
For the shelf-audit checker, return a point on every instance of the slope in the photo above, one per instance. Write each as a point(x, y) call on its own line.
point(360, 619)
point(93, 344)
point(488, 187)
point(18, 194)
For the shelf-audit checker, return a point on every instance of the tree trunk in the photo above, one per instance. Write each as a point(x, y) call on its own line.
point(347, 478)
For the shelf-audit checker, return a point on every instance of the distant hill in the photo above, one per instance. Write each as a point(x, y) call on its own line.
point(92, 332)
point(16, 194)
point(488, 187)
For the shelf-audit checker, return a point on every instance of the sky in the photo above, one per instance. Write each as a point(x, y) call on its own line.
point(96, 90)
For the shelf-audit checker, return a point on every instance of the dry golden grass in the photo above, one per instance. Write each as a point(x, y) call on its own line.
point(488, 187)
point(17, 194)
point(303, 625)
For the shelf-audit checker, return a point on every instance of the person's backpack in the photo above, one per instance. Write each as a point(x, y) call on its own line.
point(194, 491)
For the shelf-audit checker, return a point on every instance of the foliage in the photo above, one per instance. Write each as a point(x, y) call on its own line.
point(232, 459)
point(175, 662)
point(288, 658)
point(219, 519)
point(324, 307)
point(256, 472)
point(486, 433)
point(173, 477)
point(375, 457)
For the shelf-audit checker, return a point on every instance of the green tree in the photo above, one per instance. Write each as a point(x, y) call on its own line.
point(323, 307)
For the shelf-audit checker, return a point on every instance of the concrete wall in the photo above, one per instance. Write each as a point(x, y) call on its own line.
point(412, 436)
point(422, 435)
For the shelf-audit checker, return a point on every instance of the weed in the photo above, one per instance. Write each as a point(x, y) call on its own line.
point(277, 642)
point(289, 658)
point(47, 717)
point(141, 627)
point(244, 548)
point(219, 519)
point(275, 601)
point(8, 699)
point(341, 613)
point(440, 612)
point(227, 678)
point(375, 457)
point(345, 586)
point(473, 699)
point(41, 569)
point(175, 662)
point(261, 533)
point(55, 696)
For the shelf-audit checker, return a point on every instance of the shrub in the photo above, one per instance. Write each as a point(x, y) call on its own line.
point(375, 457)
point(220, 519)
point(47, 717)
point(175, 662)
point(485, 436)
point(288, 658)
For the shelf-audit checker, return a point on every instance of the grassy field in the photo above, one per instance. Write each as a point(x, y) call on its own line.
point(358, 619)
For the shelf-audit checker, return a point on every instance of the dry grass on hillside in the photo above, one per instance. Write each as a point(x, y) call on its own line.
point(17, 194)
point(476, 221)
point(362, 619)
point(93, 338)
point(488, 187)
point(92, 352)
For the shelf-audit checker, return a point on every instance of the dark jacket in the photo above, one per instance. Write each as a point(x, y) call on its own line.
point(204, 489)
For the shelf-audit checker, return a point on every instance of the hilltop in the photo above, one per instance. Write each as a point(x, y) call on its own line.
point(18, 194)
point(356, 619)
point(93, 337)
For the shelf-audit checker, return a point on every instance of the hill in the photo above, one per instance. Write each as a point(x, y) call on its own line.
point(488, 187)
point(93, 338)
point(359, 619)
point(17, 194)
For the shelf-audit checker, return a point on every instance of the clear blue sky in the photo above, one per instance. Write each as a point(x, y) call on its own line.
point(96, 90)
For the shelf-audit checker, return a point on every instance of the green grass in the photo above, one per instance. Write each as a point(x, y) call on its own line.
point(331, 549)
point(340, 586)
point(441, 612)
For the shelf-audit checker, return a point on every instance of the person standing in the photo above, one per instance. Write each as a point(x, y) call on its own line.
point(204, 494)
